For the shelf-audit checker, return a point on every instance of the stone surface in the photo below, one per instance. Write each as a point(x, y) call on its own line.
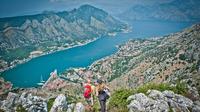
point(26, 100)
point(79, 107)
point(60, 104)
point(10, 102)
point(157, 101)
point(33, 103)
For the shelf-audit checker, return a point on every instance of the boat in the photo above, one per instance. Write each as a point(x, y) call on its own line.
point(41, 83)
point(41, 79)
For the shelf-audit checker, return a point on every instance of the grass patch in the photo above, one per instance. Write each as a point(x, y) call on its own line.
point(118, 101)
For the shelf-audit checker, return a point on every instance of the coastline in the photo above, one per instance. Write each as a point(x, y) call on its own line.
point(46, 53)
point(18, 62)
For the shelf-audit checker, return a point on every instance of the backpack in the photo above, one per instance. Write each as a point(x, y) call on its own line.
point(87, 91)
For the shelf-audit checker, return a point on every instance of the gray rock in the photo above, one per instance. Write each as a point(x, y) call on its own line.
point(10, 102)
point(154, 94)
point(140, 102)
point(168, 94)
point(79, 107)
point(196, 108)
point(60, 104)
point(33, 103)
point(70, 107)
point(157, 101)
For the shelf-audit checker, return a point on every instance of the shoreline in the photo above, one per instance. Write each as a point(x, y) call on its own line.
point(46, 53)
point(51, 52)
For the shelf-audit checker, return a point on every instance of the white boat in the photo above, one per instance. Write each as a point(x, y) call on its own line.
point(41, 83)
point(41, 80)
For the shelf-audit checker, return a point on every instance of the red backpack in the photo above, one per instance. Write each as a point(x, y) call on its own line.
point(87, 91)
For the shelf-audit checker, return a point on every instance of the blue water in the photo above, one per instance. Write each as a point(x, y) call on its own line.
point(29, 73)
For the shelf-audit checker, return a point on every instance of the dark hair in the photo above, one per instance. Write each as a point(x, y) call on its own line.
point(99, 81)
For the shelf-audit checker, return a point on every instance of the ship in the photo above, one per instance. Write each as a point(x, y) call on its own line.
point(41, 83)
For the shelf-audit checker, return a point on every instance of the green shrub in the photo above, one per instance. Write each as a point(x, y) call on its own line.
point(160, 87)
point(50, 103)
point(182, 57)
point(180, 88)
point(118, 100)
point(20, 109)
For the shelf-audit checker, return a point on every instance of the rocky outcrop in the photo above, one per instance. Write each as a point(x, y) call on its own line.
point(25, 100)
point(60, 104)
point(10, 102)
point(79, 107)
point(33, 103)
point(156, 101)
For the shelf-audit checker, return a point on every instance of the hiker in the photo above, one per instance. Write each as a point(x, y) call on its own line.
point(102, 94)
point(88, 94)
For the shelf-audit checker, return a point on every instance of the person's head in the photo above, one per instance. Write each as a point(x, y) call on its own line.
point(95, 83)
point(100, 85)
point(88, 81)
point(99, 81)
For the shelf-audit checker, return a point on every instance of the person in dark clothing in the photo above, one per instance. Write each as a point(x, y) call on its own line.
point(100, 93)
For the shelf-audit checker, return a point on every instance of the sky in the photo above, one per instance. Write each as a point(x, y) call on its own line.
point(9, 8)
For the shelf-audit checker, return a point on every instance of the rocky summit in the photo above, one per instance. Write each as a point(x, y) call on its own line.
point(156, 101)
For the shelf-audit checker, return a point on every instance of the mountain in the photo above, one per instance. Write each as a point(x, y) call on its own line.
point(49, 31)
point(166, 59)
point(157, 74)
point(176, 10)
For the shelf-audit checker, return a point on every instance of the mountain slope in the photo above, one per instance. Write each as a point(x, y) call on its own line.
point(167, 59)
point(177, 10)
point(46, 32)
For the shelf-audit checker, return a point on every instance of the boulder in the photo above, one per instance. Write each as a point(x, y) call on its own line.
point(140, 102)
point(70, 107)
point(60, 104)
point(33, 103)
point(79, 107)
point(154, 94)
point(10, 102)
point(157, 101)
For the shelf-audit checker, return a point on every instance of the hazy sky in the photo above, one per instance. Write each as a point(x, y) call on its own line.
point(26, 7)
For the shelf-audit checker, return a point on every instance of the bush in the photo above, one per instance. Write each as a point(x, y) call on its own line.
point(159, 87)
point(182, 57)
point(118, 100)
point(180, 88)
point(50, 103)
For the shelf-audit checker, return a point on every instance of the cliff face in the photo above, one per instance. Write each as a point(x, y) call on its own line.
point(21, 35)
